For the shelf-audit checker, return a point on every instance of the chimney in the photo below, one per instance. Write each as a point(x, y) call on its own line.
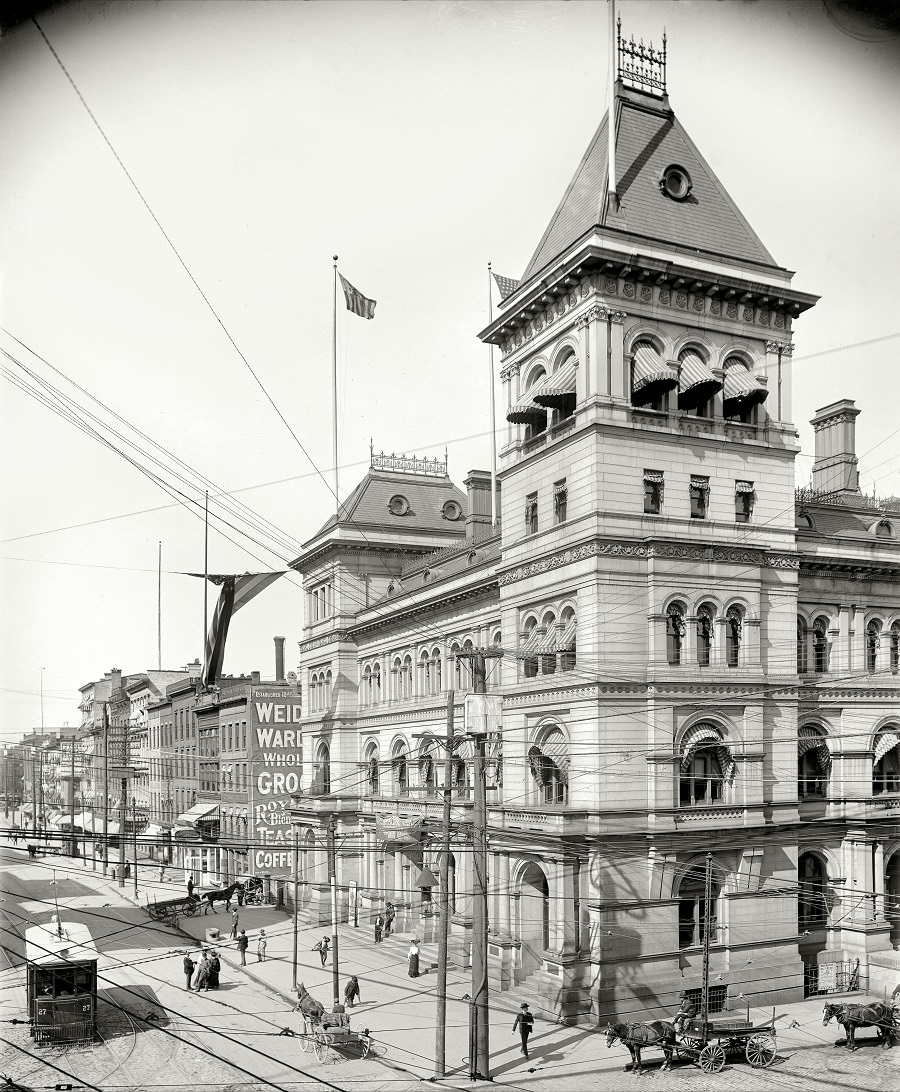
point(254, 676)
point(834, 469)
point(115, 678)
point(279, 659)
point(478, 485)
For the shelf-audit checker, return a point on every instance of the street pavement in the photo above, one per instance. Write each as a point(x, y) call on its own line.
point(239, 1025)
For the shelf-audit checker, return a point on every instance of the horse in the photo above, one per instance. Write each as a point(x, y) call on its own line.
point(312, 1009)
point(877, 1014)
point(637, 1036)
point(210, 898)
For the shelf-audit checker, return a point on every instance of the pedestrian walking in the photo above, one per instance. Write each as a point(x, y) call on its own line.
point(351, 992)
point(261, 947)
point(234, 924)
point(412, 958)
point(190, 887)
point(322, 947)
point(214, 967)
point(389, 919)
point(524, 1022)
point(162, 873)
point(379, 926)
point(189, 966)
point(242, 943)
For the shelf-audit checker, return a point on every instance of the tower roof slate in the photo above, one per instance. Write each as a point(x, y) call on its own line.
point(649, 138)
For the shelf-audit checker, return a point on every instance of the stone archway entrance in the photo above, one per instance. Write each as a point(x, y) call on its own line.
point(534, 918)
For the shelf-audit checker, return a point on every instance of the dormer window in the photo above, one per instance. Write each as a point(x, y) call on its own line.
point(451, 510)
point(884, 529)
point(398, 505)
point(675, 182)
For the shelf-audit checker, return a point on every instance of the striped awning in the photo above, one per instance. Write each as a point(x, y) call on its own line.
point(885, 743)
point(809, 739)
point(553, 751)
point(557, 390)
point(531, 642)
point(463, 748)
point(697, 384)
point(742, 390)
point(527, 412)
point(566, 640)
point(651, 376)
point(707, 737)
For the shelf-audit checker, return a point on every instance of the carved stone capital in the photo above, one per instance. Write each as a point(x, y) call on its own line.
point(618, 317)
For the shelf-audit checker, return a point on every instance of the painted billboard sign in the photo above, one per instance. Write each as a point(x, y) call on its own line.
point(276, 761)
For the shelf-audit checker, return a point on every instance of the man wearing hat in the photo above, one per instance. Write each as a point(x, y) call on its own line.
point(524, 1022)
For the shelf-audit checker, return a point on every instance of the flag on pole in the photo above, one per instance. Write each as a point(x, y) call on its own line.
point(506, 285)
point(356, 301)
point(237, 591)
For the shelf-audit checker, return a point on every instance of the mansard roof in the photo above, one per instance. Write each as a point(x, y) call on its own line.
point(649, 138)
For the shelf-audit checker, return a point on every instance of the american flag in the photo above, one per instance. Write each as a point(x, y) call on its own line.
point(356, 301)
point(506, 285)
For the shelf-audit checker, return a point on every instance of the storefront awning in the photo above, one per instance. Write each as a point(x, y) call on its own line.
point(198, 812)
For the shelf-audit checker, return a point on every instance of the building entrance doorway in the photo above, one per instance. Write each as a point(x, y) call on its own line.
point(534, 918)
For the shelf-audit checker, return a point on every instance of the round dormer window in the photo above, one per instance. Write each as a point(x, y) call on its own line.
point(675, 182)
point(398, 505)
point(451, 510)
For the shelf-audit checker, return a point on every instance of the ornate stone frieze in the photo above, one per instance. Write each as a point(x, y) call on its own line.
point(665, 297)
point(731, 310)
point(646, 293)
point(510, 369)
point(326, 639)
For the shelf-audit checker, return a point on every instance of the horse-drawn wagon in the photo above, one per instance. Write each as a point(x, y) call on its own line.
point(323, 1032)
point(169, 910)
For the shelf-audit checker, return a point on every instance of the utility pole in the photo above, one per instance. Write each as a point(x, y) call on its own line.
point(34, 792)
point(105, 787)
point(74, 841)
point(296, 897)
point(704, 994)
point(134, 825)
point(332, 872)
point(123, 811)
point(440, 1031)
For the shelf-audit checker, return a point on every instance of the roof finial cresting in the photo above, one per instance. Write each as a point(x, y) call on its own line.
point(641, 66)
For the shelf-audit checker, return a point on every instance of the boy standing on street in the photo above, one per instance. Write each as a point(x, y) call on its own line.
point(261, 947)
point(242, 942)
point(524, 1022)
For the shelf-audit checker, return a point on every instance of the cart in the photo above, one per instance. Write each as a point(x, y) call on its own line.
point(323, 1036)
point(711, 1044)
point(168, 910)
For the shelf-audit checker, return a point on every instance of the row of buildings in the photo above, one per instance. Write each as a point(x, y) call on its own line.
point(692, 655)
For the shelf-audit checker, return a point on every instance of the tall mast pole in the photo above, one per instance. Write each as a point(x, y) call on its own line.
point(105, 787)
point(444, 901)
point(334, 400)
point(205, 573)
point(707, 917)
point(493, 410)
point(159, 611)
point(612, 194)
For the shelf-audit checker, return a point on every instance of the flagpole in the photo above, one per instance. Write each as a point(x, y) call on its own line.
point(205, 573)
point(334, 404)
point(612, 195)
point(159, 611)
point(493, 410)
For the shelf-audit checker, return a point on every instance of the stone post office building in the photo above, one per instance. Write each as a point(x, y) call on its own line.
point(697, 658)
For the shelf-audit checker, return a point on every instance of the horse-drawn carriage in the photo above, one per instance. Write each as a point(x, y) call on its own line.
point(169, 910)
point(323, 1032)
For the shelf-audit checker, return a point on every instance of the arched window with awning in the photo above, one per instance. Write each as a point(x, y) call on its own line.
point(886, 763)
point(706, 765)
point(813, 762)
point(651, 376)
point(527, 411)
point(548, 760)
point(557, 391)
point(696, 382)
point(743, 390)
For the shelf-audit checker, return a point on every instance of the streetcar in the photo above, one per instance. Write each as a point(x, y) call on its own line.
point(61, 961)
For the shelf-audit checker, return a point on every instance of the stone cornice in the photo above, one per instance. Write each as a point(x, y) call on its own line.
point(402, 614)
point(629, 548)
point(336, 637)
point(850, 568)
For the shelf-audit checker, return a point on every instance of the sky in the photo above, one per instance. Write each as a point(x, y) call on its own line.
point(417, 141)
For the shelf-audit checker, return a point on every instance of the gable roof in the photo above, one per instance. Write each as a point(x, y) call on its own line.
point(649, 138)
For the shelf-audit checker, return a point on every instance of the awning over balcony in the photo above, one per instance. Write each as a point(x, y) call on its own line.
point(809, 739)
point(552, 752)
point(527, 412)
point(742, 390)
point(557, 391)
point(697, 384)
point(885, 743)
point(652, 377)
point(707, 737)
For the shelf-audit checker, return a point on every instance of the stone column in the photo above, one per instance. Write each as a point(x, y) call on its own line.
point(878, 880)
point(620, 382)
point(556, 891)
point(505, 895)
point(718, 399)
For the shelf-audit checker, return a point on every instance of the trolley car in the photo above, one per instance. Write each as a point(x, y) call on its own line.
point(61, 960)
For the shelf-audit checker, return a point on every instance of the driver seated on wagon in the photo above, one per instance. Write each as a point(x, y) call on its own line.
point(337, 1018)
point(686, 1013)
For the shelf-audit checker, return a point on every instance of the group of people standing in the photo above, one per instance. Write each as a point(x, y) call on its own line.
point(203, 975)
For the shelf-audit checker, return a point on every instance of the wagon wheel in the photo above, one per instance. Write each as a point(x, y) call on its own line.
point(365, 1045)
point(761, 1050)
point(689, 1048)
point(712, 1058)
point(190, 908)
point(306, 1039)
point(321, 1046)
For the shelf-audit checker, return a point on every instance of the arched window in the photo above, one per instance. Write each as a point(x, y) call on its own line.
point(322, 771)
point(675, 631)
point(706, 765)
point(376, 683)
point(873, 642)
point(373, 771)
point(464, 668)
point(692, 908)
point(406, 681)
point(733, 624)
point(812, 898)
point(895, 648)
point(884, 530)
point(397, 679)
point(436, 671)
point(367, 686)
point(536, 423)
point(820, 646)
point(548, 644)
point(549, 762)
point(704, 634)
point(400, 770)
point(813, 762)
point(530, 636)
point(427, 770)
point(328, 691)
point(651, 377)
point(801, 647)
point(314, 692)
point(424, 681)
point(886, 764)
point(568, 641)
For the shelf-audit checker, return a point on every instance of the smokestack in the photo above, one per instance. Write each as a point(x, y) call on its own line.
point(279, 659)
point(834, 469)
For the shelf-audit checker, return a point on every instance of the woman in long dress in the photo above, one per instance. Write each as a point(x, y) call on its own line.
point(412, 957)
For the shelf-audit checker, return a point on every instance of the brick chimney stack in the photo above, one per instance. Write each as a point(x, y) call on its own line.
point(834, 469)
point(279, 659)
point(478, 485)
